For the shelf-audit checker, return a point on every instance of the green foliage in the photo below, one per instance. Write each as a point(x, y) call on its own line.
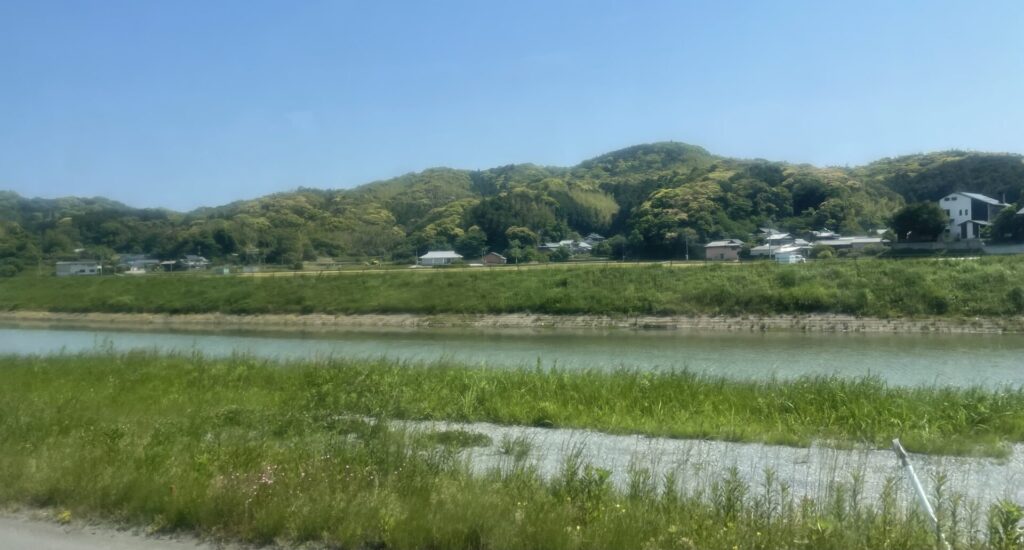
point(472, 243)
point(822, 252)
point(1008, 227)
point(1006, 525)
point(658, 196)
point(560, 254)
point(929, 177)
point(919, 222)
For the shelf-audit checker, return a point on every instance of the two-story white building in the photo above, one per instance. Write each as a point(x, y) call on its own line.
point(969, 212)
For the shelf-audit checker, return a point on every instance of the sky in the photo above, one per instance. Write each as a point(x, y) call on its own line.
point(184, 103)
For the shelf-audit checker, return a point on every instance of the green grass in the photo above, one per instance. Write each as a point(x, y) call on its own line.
point(990, 286)
point(839, 411)
point(242, 449)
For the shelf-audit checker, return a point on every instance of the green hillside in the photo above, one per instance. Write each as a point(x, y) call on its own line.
point(652, 199)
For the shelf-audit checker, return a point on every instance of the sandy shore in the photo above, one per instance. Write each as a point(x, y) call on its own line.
point(326, 323)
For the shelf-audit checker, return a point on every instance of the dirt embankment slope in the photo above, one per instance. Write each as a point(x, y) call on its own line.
point(321, 322)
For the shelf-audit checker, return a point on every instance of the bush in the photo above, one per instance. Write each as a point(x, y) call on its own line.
point(561, 254)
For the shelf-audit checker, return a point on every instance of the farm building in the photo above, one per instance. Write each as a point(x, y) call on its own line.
point(493, 258)
point(728, 249)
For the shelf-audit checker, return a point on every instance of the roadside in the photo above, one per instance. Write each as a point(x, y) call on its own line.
point(38, 531)
point(315, 322)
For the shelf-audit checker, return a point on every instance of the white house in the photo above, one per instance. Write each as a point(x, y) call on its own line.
point(771, 249)
point(969, 212)
point(81, 267)
point(439, 257)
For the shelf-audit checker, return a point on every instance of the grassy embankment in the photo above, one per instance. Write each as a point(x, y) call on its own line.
point(242, 449)
point(988, 286)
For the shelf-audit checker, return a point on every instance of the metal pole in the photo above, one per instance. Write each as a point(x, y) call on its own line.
point(921, 496)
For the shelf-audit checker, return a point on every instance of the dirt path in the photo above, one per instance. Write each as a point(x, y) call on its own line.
point(325, 322)
point(21, 532)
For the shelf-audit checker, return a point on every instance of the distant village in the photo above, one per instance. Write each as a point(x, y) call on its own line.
point(968, 215)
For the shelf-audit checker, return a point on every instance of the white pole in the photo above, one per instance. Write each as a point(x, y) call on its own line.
point(921, 496)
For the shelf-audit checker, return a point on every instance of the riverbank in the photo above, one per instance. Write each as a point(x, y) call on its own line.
point(317, 322)
point(983, 288)
point(238, 449)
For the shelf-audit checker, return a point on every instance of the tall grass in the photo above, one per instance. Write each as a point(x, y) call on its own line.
point(845, 412)
point(983, 287)
point(243, 450)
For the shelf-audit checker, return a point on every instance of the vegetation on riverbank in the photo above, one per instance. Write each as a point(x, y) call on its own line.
point(878, 288)
point(844, 412)
point(240, 449)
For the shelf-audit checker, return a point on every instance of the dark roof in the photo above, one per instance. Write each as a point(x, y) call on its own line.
point(727, 242)
point(982, 198)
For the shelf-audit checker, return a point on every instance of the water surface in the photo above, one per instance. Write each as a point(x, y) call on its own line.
point(945, 359)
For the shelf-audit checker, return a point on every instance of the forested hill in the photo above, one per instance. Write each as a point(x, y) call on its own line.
point(653, 197)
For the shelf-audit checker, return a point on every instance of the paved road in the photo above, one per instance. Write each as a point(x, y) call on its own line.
point(21, 533)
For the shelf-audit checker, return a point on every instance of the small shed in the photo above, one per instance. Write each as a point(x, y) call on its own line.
point(439, 257)
point(726, 250)
point(493, 258)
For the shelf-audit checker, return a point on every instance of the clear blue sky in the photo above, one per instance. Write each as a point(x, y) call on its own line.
point(187, 103)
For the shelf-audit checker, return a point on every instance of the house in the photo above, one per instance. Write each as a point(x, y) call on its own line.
point(969, 212)
point(493, 258)
point(80, 267)
point(576, 247)
point(137, 263)
point(728, 249)
point(852, 243)
point(192, 261)
point(824, 234)
point(439, 257)
point(593, 239)
point(770, 249)
point(779, 239)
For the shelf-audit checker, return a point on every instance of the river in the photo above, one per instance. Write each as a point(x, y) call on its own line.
point(900, 359)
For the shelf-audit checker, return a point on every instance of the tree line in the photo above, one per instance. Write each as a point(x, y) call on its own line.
point(653, 201)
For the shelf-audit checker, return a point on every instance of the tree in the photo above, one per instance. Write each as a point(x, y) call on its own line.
point(919, 222)
point(822, 252)
point(472, 244)
point(523, 235)
point(1008, 227)
point(515, 251)
point(561, 254)
point(617, 247)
